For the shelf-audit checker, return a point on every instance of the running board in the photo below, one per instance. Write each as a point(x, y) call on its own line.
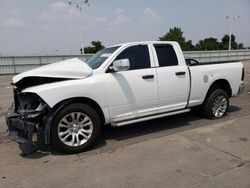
point(119, 124)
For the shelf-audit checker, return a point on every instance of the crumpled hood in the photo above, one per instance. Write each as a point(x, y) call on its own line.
point(71, 69)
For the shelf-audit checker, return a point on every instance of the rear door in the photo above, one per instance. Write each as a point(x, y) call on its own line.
point(173, 79)
point(132, 93)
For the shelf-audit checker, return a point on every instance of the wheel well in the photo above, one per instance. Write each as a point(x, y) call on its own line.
point(83, 100)
point(220, 84)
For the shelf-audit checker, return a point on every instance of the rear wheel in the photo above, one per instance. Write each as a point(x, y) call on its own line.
point(75, 128)
point(216, 104)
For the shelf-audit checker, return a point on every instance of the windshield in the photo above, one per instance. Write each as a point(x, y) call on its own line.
point(98, 59)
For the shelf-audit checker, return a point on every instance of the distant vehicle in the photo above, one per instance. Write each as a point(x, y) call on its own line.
point(65, 104)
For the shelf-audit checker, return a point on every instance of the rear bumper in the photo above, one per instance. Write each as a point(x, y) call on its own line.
point(241, 89)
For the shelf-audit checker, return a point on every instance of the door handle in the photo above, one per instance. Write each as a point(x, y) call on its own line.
point(180, 73)
point(147, 76)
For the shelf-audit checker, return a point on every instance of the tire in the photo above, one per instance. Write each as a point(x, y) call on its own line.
point(216, 104)
point(75, 128)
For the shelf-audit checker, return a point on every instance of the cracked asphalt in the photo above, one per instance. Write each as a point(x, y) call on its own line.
point(179, 151)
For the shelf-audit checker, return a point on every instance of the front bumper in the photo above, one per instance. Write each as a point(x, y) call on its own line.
point(19, 130)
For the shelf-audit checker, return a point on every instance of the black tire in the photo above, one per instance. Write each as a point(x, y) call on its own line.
point(58, 144)
point(208, 105)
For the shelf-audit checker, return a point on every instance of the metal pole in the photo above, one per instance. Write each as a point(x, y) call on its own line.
point(81, 30)
point(80, 6)
point(231, 19)
point(230, 33)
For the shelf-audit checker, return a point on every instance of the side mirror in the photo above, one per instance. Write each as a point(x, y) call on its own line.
point(121, 65)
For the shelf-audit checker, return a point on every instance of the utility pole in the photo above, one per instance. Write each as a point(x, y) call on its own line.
point(80, 6)
point(231, 19)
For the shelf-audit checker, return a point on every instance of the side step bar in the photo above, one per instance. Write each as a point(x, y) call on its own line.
point(119, 124)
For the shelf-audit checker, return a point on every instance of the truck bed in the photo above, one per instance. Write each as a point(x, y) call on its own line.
point(202, 75)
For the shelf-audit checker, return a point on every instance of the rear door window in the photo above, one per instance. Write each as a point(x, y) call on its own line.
point(166, 55)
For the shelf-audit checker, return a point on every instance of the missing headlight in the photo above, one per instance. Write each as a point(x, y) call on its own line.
point(29, 105)
point(27, 101)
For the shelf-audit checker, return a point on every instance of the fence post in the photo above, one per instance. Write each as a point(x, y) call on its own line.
point(40, 60)
point(14, 65)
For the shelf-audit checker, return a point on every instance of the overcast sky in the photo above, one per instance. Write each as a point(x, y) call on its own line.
point(48, 26)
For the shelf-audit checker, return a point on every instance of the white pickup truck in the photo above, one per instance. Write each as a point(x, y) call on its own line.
point(66, 103)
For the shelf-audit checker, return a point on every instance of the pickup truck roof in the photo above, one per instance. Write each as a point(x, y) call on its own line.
point(145, 42)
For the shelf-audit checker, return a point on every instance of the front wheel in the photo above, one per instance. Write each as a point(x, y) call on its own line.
point(75, 128)
point(216, 104)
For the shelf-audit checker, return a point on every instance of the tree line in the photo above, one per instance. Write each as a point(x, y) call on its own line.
point(176, 34)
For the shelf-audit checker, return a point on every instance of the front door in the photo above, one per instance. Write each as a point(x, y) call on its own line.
point(132, 93)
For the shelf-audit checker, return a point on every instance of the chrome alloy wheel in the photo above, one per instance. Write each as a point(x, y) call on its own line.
point(75, 129)
point(219, 106)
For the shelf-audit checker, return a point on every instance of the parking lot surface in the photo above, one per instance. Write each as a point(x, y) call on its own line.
point(179, 151)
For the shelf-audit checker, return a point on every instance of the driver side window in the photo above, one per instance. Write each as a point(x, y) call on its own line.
point(137, 55)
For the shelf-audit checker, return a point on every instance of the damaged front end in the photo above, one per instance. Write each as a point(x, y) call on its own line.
point(29, 118)
point(25, 120)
